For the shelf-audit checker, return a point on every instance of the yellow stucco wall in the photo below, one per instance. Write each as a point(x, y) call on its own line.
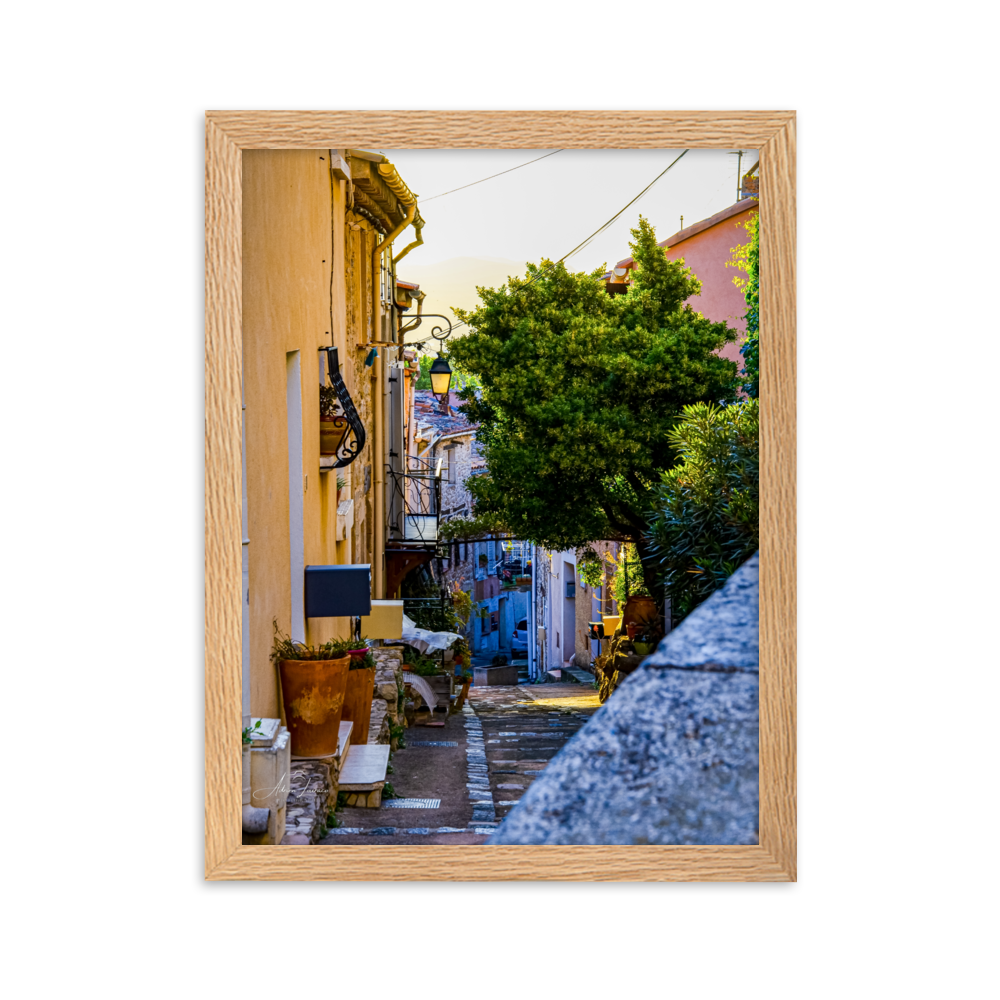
point(290, 232)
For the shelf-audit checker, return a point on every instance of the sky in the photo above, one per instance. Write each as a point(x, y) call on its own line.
point(547, 208)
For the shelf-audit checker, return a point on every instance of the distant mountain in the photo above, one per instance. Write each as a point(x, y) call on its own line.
point(452, 283)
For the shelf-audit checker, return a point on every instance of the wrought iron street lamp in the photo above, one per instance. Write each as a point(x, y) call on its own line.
point(440, 376)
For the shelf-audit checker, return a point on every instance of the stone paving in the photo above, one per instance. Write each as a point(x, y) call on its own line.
point(487, 757)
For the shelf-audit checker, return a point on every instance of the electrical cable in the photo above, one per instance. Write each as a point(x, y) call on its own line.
point(579, 246)
point(423, 201)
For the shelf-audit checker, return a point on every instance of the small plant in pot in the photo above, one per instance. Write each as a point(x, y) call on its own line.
point(359, 693)
point(424, 666)
point(465, 676)
point(333, 426)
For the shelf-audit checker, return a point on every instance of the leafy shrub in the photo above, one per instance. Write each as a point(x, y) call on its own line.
point(747, 259)
point(705, 521)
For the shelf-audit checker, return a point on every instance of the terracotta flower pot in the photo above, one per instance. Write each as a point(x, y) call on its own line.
point(358, 702)
point(632, 629)
point(313, 693)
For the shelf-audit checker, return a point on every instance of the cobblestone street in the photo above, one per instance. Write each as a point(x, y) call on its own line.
point(457, 783)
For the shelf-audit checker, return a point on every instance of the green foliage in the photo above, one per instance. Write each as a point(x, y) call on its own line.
point(364, 663)
point(424, 666)
point(705, 524)
point(464, 608)
point(436, 617)
point(388, 792)
point(590, 567)
point(250, 731)
point(580, 391)
point(329, 403)
point(629, 578)
point(747, 258)
point(460, 378)
point(286, 648)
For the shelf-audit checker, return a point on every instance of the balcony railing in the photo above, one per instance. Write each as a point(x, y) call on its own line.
point(414, 502)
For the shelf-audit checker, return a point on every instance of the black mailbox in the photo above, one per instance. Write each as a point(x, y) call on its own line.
point(338, 591)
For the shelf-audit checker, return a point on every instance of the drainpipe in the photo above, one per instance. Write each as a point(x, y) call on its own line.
point(417, 320)
point(378, 539)
point(376, 253)
point(418, 227)
point(379, 393)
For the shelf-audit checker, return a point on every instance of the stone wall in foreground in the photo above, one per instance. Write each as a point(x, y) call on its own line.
point(672, 757)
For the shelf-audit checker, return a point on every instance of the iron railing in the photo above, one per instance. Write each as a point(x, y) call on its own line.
point(414, 502)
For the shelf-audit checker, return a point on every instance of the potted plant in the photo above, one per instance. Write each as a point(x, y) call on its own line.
point(313, 685)
point(333, 426)
point(359, 692)
point(466, 678)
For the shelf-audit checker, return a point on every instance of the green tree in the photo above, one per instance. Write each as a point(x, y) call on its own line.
point(706, 521)
point(746, 257)
point(580, 391)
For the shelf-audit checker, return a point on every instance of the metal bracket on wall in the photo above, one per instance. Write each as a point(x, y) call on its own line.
point(352, 447)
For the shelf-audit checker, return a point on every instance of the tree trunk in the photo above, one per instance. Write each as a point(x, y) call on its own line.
point(652, 571)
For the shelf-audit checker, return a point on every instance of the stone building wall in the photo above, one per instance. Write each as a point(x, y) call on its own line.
point(454, 494)
point(359, 241)
point(385, 705)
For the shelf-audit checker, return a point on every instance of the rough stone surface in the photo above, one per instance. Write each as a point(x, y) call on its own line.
point(311, 797)
point(388, 681)
point(672, 757)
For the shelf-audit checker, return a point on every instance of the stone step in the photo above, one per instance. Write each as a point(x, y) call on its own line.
point(580, 676)
point(363, 773)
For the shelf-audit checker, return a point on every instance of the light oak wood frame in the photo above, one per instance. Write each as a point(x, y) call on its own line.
point(228, 133)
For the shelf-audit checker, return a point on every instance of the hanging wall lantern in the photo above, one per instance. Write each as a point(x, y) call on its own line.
point(440, 376)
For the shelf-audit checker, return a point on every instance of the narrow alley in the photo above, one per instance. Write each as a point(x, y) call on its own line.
point(455, 785)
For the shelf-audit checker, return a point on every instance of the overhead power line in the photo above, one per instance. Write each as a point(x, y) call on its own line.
point(579, 246)
point(597, 232)
point(423, 201)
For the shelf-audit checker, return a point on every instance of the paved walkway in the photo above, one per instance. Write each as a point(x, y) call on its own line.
point(476, 767)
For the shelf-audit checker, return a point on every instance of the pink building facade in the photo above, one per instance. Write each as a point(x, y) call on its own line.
point(706, 248)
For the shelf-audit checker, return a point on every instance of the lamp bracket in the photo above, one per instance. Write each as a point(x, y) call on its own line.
point(353, 443)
